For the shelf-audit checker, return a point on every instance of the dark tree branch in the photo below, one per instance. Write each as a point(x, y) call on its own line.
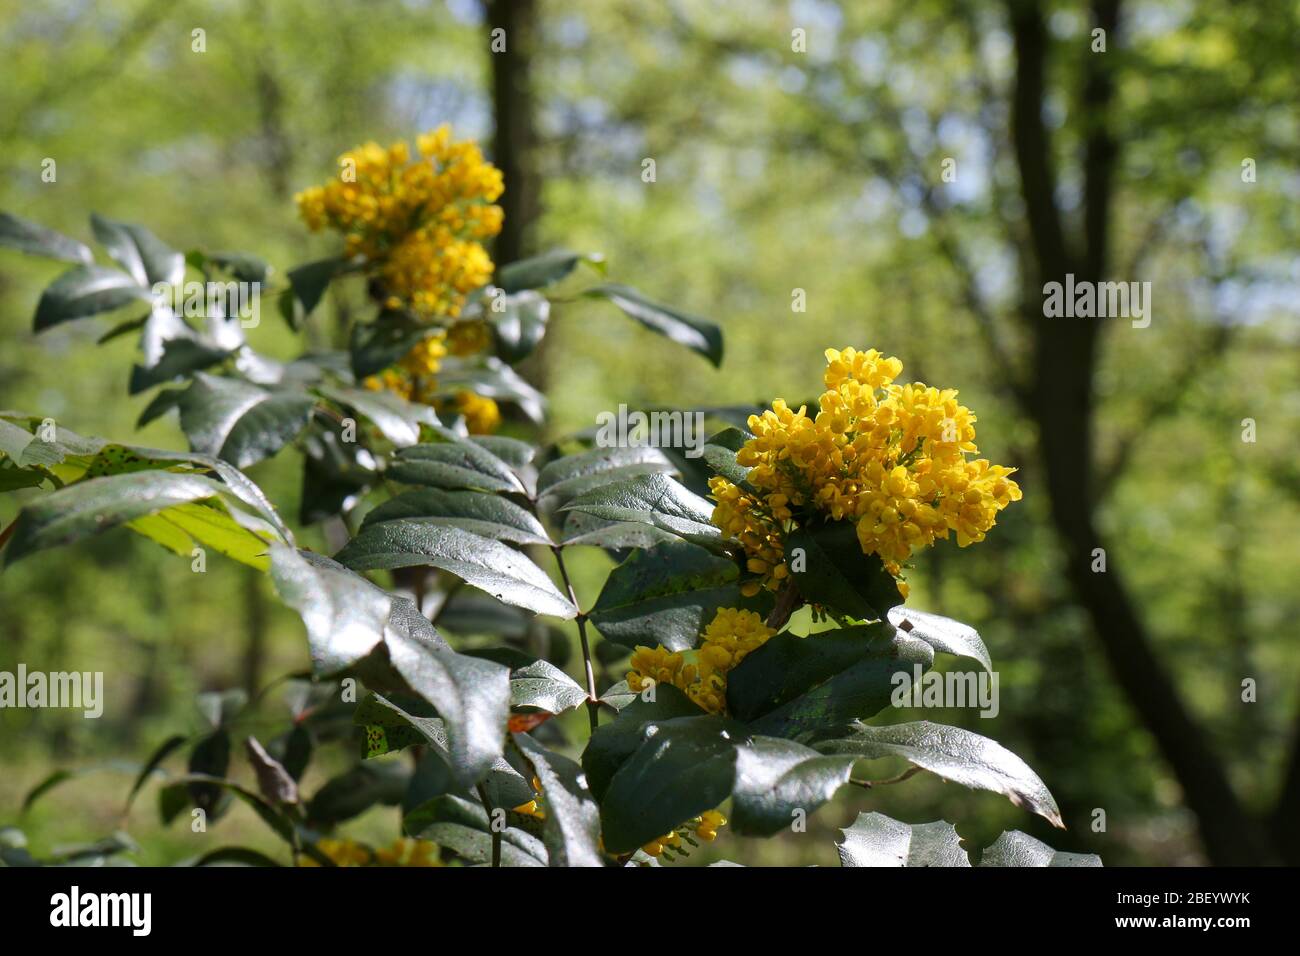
point(1065, 353)
point(514, 144)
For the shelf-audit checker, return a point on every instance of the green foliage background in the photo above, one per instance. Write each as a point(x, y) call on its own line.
point(765, 183)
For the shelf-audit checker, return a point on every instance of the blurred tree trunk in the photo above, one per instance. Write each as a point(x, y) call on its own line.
point(514, 143)
point(1061, 403)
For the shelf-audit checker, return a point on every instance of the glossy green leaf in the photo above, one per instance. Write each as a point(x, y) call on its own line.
point(397, 419)
point(696, 334)
point(655, 499)
point(181, 357)
point(483, 514)
point(807, 687)
point(581, 529)
point(211, 525)
point(137, 250)
point(489, 565)
point(492, 378)
point(210, 759)
point(347, 620)
point(829, 568)
point(943, 634)
point(378, 345)
point(93, 506)
point(162, 403)
point(37, 240)
point(519, 324)
point(462, 826)
point(571, 829)
point(667, 595)
point(565, 478)
point(544, 686)
point(310, 280)
point(238, 422)
point(471, 695)
point(1014, 848)
point(877, 840)
point(356, 790)
point(84, 291)
point(388, 728)
point(681, 768)
point(471, 698)
point(954, 754)
point(243, 266)
point(504, 784)
point(540, 271)
point(720, 455)
point(29, 441)
point(780, 782)
point(346, 616)
point(612, 743)
point(13, 478)
point(453, 463)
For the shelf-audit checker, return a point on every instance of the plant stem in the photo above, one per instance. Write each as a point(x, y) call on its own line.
point(868, 784)
point(593, 699)
point(787, 602)
point(496, 834)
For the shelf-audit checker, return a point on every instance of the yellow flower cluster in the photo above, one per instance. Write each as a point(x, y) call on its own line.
point(704, 827)
point(403, 852)
point(482, 415)
point(701, 674)
point(890, 458)
point(419, 224)
point(407, 852)
point(414, 377)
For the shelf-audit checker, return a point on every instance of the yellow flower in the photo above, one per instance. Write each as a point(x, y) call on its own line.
point(407, 852)
point(425, 357)
point(707, 824)
point(653, 666)
point(482, 416)
point(414, 378)
point(341, 852)
point(892, 459)
point(704, 827)
point(468, 338)
point(530, 809)
point(727, 640)
point(533, 808)
point(418, 223)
